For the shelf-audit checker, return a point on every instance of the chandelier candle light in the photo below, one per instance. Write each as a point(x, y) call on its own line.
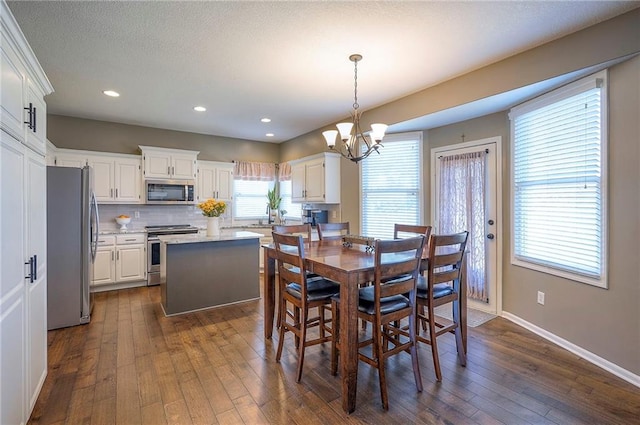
point(351, 142)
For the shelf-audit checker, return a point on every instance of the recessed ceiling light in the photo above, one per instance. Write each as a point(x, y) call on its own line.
point(269, 134)
point(266, 120)
point(199, 108)
point(111, 93)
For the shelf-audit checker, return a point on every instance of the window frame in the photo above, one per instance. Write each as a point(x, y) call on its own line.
point(235, 218)
point(599, 79)
point(395, 138)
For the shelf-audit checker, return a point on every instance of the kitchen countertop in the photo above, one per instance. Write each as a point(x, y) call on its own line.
point(225, 235)
point(121, 232)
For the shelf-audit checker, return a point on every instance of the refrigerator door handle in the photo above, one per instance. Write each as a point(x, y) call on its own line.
point(94, 235)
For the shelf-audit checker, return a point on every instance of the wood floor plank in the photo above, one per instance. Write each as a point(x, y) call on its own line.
point(133, 365)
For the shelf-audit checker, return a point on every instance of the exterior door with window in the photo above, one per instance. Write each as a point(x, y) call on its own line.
point(465, 188)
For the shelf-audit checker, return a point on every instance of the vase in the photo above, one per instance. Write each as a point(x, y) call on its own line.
point(213, 226)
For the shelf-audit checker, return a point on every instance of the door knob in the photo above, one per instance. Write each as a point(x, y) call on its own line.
point(490, 236)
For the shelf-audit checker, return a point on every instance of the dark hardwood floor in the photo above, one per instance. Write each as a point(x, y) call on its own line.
point(132, 365)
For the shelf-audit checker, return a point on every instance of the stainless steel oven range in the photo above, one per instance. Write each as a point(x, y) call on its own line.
point(153, 247)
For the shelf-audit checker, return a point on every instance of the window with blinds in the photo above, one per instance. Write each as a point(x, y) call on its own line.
point(293, 211)
point(250, 199)
point(559, 182)
point(391, 185)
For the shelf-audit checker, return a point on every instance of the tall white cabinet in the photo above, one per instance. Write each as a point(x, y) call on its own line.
point(23, 256)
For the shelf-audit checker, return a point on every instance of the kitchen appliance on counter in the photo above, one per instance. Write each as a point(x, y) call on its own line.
point(72, 240)
point(169, 192)
point(153, 247)
point(314, 216)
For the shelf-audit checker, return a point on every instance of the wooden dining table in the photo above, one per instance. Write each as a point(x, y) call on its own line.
point(349, 266)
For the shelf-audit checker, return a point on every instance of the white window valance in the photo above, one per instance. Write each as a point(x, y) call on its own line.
point(284, 172)
point(255, 171)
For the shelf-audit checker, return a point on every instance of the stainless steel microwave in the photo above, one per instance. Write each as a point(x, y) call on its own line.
point(169, 191)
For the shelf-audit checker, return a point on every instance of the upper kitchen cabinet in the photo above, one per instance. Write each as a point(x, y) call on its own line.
point(316, 178)
point(117, 178)
point(69, 158)
point(163, 163)
point(215, 180)
point(24, 85)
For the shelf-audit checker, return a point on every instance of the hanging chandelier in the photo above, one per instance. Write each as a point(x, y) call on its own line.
point(353, 140)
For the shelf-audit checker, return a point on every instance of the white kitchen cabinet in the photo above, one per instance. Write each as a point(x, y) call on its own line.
point(23, 300)
point(117, 179)
point(23, 110)
point(120, 258)
point(69, 158)
point(316, 179)
point(163, 163)
point(215, 180)
point(104, 265)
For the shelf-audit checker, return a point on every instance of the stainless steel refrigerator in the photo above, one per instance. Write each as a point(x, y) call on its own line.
point(72, 238)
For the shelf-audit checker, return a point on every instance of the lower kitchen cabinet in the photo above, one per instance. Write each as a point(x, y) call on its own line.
point(120, 258)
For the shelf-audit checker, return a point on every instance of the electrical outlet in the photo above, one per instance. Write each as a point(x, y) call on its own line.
point(540, 297)
point(136, 214)
point(334, 214)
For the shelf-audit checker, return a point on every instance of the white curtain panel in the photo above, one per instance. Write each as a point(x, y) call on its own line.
point(462, 207)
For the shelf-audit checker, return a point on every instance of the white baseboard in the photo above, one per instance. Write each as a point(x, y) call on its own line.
point(116, 286)
point(587, 355)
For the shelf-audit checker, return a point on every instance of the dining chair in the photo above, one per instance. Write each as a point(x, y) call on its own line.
point(441, 286)
point(303, 293)
point(332, 231)
point(294, 229)
point(391, 298)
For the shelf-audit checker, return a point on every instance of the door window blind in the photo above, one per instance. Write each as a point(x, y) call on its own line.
point(391, 185)
point(558, 178)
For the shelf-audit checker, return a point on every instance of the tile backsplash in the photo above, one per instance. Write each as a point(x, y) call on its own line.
point(153, 215)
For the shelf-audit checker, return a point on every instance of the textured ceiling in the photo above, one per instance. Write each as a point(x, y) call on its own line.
point(284, 60)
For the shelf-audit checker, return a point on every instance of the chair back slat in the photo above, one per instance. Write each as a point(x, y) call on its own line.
point(289, 256)
point(332, 231)
point(303, 230)
point(397, 264)
point(446, 253)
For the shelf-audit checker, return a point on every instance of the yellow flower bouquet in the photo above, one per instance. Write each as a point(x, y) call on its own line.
point(212, 208)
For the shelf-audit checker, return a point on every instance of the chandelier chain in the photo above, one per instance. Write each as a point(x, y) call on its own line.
point(355, 85)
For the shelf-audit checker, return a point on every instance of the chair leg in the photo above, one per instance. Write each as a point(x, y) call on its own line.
point(378, 350)
point(321, 323)
point(282, 329)
point(414, 353)
point(296, 318)
point(335, 335)
point(434, 344)
point(460, 346)
point(303, 338)
point(418, 319)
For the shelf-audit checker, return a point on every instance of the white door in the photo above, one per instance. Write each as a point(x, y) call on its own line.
point(466, 183)
point(36, 320)
point(298, 182)
point(102, 178)
point(183, 167)
point(12, 281)
point(130, 262)
point(224, 181)
point(104, 266)
point(127, 180)
point(157, 165)
point(206, 183)
point(314, 180)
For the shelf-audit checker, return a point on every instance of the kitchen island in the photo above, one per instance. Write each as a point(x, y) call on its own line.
point(199, 272)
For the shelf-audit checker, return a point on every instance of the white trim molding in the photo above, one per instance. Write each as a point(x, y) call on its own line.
point(577, 350)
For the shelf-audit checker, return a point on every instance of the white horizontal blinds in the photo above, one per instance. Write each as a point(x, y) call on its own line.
point(558, 198)
point(293, 211)
point(250, 198)
point(391, 185)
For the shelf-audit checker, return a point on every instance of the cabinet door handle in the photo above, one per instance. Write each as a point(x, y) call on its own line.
point(129, 240)
point(112, 255)
point(34, 273)
point(118, 255)
point(30, 275)
point(116, 192)
point(30, 112)
point(35, 120)
point(169, 170)
point(111, 193)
